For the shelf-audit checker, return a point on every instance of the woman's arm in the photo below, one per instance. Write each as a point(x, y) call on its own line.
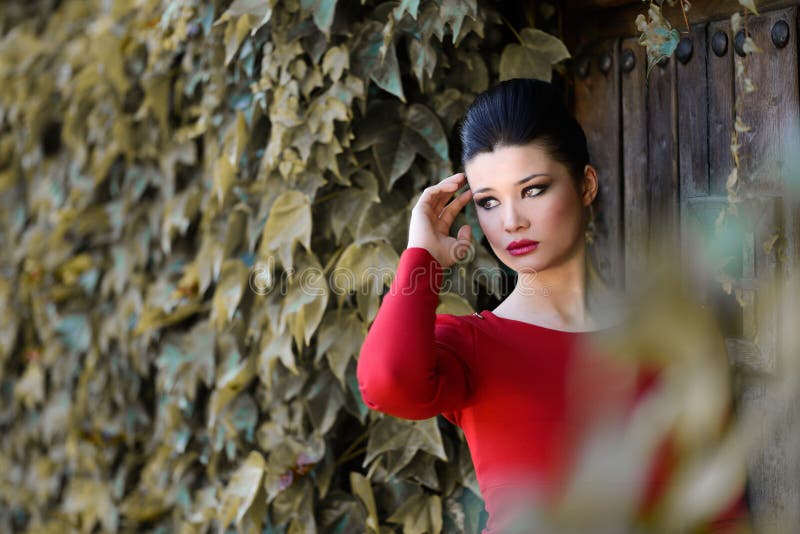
point(414, 363)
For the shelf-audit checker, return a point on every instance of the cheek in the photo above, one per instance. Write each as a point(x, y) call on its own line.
point(487, 222)
point(561, 213)
point(490, 226)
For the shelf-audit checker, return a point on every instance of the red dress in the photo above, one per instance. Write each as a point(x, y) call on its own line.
point(523, 394)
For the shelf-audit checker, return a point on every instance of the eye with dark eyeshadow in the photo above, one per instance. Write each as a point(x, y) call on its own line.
point(484, 201)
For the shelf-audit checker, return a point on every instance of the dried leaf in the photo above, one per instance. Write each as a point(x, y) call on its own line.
point(750, 5)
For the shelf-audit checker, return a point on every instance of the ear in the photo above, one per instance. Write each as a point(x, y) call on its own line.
point(590, 185)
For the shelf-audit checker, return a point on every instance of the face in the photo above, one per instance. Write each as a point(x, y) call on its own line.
point(521, 193)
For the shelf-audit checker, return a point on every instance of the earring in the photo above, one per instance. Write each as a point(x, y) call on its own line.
point(591, 230)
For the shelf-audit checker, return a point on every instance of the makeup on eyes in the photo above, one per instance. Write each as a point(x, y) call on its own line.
point(540, 187)
point(518, 182)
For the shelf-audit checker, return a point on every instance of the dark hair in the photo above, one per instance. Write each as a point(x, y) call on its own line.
point(519, 111)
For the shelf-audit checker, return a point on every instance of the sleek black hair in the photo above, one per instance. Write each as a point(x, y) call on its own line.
point(520, 111)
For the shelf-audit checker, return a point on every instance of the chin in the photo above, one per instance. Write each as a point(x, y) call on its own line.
point(522, 264)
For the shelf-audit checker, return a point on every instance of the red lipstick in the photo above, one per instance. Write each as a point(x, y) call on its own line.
point(517, 248)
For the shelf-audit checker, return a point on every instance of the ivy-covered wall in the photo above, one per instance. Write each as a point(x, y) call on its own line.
point(194, 194)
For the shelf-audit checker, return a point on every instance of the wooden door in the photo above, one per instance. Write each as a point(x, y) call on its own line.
point(661, 145)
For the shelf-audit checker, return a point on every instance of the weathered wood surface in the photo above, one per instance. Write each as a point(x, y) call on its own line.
point(662, 163)
point(634, 159)
point(675, 160)
point(772, 112)
point(587, 21)
point(597, 108)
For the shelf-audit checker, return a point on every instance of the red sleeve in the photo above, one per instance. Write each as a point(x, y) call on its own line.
point(414, 363)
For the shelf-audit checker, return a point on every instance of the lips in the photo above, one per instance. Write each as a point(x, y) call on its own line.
point(517, 248)
point(521, 244)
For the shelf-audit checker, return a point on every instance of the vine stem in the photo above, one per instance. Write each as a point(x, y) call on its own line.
point(350, 456)
point(348, 453)
point(685, 18)
point(511, 27)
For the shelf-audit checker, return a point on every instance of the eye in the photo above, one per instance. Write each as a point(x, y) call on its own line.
point(540, 188)
point(537, 190)
point(484, 203)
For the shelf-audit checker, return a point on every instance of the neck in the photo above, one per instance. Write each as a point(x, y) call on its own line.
point(571, 295)
point(559, 293)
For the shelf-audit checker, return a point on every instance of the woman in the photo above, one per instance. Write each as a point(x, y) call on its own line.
point(519, 379)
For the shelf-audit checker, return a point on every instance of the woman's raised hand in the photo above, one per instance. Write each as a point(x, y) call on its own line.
point(432, 217)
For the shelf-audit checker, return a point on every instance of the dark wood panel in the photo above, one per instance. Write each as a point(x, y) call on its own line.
point(720, 108)
point(585, 23)
point(634, 159)
point(597, 108)
point(708, 8)
point(692, 99)
point(692, 84)
point(772, 113)
point(663, 188)
point(772, 466)
point(772, 109)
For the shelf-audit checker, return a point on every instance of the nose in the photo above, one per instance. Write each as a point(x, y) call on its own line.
point(513, 218)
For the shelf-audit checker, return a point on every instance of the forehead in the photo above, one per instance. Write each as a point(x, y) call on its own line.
point(505, 165)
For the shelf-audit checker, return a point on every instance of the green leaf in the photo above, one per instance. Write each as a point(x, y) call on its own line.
point(185, 360)
point(420, 513)
point(88, 501)
point(29, 390)
point(347, 208)
point(335, 61)
point(340, 338)
point(306, 299)
point(397, 134)
point(406, 6)
point(383, 222)
point(229, 291)
point(454, 11)
point(275, 347)
point(423, 60)
point(254, 13)
point(544, 43)
point(323, 14)
point(393, 434)
point(75, 332)
point(362, 488)
point(242, 488)
point(431, 22)
point(324, 400)
point(534, 57)
point(289, 222)
point(235, 374)
point(367, 61)
point(364, 269)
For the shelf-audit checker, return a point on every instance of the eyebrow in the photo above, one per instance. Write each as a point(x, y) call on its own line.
point(519, 182)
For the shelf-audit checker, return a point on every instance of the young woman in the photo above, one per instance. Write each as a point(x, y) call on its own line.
point(516, 378)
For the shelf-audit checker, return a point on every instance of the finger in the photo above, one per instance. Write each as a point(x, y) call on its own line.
point(464, 243)
point(455, 206)
point(437, 196)
point(449, 213)
point(457, 177)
